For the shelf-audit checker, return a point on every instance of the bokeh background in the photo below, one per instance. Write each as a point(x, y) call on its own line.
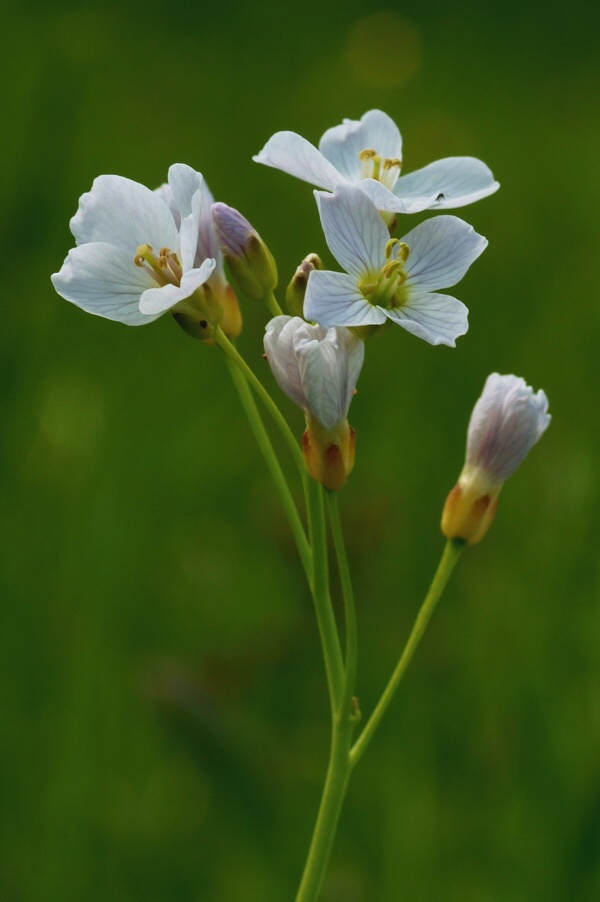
point(164, 714)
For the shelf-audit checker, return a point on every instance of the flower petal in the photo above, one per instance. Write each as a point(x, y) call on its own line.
point(441, 251)
point(184, 182)
point(282, 357)
point(322, 380)
point(159, 300)
point(104, 280)
point(342, 144)
point(329, 369)
point(437, 318)
point(186, 187)
point(333, 299)
point(384, 199)
point(208, 246)
point(293, 154)
point(354, 230)
point(451, 182)
point(123, 213)
point(355, 355)
point(164, 192)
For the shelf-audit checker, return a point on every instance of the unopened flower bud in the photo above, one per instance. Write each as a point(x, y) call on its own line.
point(250, 260)
point(294, 295)
point(318, 369)
point(507, 420)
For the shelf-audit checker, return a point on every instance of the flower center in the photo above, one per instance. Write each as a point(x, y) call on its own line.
point(386, 288)
point(384, 170)
point(165, 268)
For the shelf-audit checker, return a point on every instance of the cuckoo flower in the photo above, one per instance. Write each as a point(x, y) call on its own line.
point(368, 153)
point(318, 369)
point(137, 256)
point(507, 421)
point(389, 279)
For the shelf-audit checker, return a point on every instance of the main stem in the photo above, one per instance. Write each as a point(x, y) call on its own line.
point(334, 791)
point(344, 719)
point(446, 566)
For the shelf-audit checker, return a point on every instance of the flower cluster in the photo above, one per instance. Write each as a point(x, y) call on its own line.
point(140, 253)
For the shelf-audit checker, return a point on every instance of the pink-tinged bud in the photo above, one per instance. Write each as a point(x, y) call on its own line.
point(248, 257)
point(329, 455)
point(507, 420)
point(294, 295)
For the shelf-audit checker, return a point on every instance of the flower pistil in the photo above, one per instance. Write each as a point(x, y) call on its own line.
point(384, 289)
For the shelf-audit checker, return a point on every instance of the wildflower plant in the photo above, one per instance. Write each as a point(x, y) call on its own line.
point(141, 254)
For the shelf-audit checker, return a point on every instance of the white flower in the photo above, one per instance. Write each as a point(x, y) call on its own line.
point(318, 369)
point(507, 421)
point(139, 252)
point(391, 279)
point(368, 153)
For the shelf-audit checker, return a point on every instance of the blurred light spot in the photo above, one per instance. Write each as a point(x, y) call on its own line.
point(81, 35)
point(72, 413)
point(383, 50)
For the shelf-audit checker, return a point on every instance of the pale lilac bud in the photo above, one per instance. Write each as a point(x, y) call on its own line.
point(250, 260)
point(233, 230)
point(507, 420)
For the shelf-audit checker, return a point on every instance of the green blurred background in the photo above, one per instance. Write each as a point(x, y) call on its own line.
point(164, 714)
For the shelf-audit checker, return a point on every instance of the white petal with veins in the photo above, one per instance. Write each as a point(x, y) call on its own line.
point(103, 279)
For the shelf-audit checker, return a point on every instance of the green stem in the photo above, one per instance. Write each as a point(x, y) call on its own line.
point(264, 443)
point(348, 596)
point(446, 566)
point(339, 769)
point(233, 354)
point(273, 305)
point(330, 641)
point(338, 774)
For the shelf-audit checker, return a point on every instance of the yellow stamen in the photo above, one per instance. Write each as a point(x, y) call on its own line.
point(402, 252)
point(389, 248)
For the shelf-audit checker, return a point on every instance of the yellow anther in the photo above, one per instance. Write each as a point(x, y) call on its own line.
point(164, 252)
point(367, 154)
point(139, 260)
point(389, 248)
point(402, 252)
point(392, 163)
